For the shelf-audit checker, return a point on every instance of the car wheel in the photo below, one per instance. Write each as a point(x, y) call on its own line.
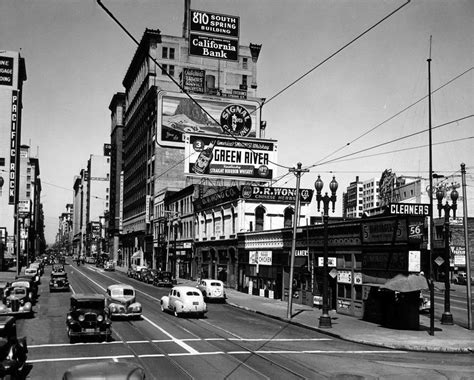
point(176, 313)
point(162, 307)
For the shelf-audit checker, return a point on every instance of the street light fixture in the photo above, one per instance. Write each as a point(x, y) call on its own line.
point(325, 319)
point(447, 317)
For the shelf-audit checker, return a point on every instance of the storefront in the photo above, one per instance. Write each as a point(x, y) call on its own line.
point(361, 253)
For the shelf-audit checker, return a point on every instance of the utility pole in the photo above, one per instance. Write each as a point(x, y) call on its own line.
point(466, 247)
point(297, 173)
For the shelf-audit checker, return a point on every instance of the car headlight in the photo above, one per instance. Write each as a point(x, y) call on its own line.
point(100, 318)
point(22, 301)
point(81, 318)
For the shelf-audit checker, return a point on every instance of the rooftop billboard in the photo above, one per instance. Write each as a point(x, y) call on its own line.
point(178, 115)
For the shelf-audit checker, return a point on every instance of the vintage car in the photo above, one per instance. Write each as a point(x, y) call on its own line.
point(88, 316)
point(13, 350)
point(28, 283)
point(105, 370)
point(33, 273)
point(212, 289)
point(165, 279)
point(57, 268)
point(150, 276)
point(109, 265)
point(122, 301)
point(183, 300)
point(17, 302)
point(58, 281)
point(38, 265)
point(141, 273)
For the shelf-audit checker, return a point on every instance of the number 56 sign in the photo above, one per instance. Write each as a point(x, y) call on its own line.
point(415, 231)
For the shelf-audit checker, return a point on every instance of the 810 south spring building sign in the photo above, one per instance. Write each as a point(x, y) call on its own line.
point(214, 35)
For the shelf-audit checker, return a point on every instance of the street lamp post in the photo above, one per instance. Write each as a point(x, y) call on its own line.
point(325, 319)
point(447, 317)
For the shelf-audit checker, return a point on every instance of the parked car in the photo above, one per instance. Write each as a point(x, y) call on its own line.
point(105, 371)
point(4, 286)
point(17, 302)
point(425, 304)
point(183, 300)
point(13, 350)
point(88, 316)
point(131, 272)
point(150, 276)
point(33, 273)
point(165, 279)
point(122, 301)
point(58, 281)
point(141, 274)
point(212, 289)
point(28, 283)
point(109, 265)
point(38, 265)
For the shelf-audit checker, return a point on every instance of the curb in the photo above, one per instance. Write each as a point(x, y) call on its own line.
point(414, 348)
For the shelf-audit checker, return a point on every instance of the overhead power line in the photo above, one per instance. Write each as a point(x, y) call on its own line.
point(335, 53)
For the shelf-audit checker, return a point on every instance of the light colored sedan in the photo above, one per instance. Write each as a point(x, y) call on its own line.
point(122, 301)
point(183, 300)
point(212, 289)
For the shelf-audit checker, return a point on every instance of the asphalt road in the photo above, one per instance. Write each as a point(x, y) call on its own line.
point(229, 343)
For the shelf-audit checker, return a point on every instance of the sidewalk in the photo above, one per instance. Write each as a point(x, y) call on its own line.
point(446, 338)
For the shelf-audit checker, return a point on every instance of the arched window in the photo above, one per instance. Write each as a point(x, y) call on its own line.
point(288, 217)
point(259, 218)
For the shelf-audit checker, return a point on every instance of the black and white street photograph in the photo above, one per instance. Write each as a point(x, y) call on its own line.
point(236, 189)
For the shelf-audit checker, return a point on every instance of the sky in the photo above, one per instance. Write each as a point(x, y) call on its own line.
point(351, 98)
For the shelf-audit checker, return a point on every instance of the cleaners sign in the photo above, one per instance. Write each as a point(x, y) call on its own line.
point(214, 35)
point(219, 156)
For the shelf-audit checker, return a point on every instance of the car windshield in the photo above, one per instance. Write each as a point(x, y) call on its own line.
point(30, 271)
point(58, 276)
point(18, 292)
point(122, 292)
point(88, 304)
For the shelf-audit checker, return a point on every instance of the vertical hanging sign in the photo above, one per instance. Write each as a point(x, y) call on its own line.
point(14, 136)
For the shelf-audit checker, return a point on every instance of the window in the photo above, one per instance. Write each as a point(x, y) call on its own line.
point(245, 63)
point(164, 52)
point(259, 218)
point(171, 53)
point(288, 217)
point(2, 161)
point(167, 69)
point(244, 80)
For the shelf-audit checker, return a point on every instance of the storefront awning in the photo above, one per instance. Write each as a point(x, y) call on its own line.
point(136, 255)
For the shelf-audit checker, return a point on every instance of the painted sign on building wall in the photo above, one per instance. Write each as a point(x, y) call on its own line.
point(193, 80)
point(276, 194)
point(6, 71)
point(260, 257)
point(213, 115)
point(227, 157)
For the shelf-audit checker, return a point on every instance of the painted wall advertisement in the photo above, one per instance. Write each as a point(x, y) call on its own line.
point(193, 80)
point(213, 115)
point(226, 157)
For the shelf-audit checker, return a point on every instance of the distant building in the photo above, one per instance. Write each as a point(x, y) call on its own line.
point(353, 200)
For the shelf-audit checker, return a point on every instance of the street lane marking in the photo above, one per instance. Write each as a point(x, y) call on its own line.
point(179, 342)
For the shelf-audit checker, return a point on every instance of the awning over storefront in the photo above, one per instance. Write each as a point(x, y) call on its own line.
point(405, 284)
point(137, 255)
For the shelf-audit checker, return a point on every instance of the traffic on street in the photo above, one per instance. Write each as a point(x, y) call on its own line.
point(227, 343)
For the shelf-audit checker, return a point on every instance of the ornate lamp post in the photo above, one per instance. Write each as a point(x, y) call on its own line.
point(325, 319)
point(447, 317)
